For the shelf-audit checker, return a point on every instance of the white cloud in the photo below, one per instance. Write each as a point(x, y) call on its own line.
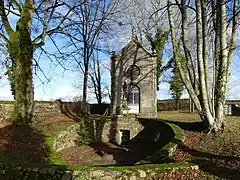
point(234, 88)
point(163, 92)
point(5, 93)
point(66, 93)
point(185, 94)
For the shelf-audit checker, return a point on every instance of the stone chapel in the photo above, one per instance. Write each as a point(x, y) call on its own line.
point(133, 81)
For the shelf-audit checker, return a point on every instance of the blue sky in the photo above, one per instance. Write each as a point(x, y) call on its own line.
point(61, 84)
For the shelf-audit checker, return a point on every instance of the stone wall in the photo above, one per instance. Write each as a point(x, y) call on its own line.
point(167, 136)
point(66, 138)
point(42, 108)
point(5, 110)
point(105, 130)
point(11, 169)
point(111, 129)
point(53, 172)
point(51, 108)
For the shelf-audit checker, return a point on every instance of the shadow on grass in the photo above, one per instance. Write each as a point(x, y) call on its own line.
point(218, 165)
point(188, 126)
point(219, 169)
point(28, 143)
point(22, 149)
point(22, 143)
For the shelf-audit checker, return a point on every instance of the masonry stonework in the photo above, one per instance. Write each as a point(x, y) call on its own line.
point(112, 129)
point(42, 108)
point(133, 81)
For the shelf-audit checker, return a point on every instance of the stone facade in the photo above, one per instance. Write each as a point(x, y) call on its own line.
point(133, 81)
point(105, 131)
point(112, 129)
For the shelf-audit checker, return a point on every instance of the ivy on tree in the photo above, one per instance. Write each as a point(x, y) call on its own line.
point(157, 43)
point(176, 86)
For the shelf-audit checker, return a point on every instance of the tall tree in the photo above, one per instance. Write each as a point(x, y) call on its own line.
point(176, 86)
point(92, 21)
point(149, 20)
point(211, 20)
point(158, 43)
point(22, 41)
point(96, 77)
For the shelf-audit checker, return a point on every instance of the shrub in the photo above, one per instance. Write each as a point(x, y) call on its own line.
point(83, 135)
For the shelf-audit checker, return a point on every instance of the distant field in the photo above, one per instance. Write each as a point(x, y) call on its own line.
point(178, 116)
point(183, 116)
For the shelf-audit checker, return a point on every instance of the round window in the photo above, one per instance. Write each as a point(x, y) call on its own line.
point(133, 72)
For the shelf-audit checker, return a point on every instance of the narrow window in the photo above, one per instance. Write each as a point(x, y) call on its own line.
point(133, 96)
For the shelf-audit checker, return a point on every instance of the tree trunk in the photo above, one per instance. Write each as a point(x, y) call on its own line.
point(20, 49)
point(221, 83)
point(85, 84)
point(24, 97)
point(176, 105)
point(207, 117)
point(98, 78)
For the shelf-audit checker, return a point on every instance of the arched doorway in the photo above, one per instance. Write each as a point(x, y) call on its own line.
point(133, 100)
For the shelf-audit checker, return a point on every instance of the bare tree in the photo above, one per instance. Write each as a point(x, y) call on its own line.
point(176, 86)
point(92, 21)
point(211, 20)
point(149, 20)
point(96, 78)
point(33, 21)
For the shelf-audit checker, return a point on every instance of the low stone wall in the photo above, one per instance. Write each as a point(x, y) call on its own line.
point(6, 110)
point(66, 138)
point(42, 108)
point(111, 129)
point(104, 129)
point(52, 172)
point(167, 151)
point(10, 169)
point(166, 136)
point(52, 108)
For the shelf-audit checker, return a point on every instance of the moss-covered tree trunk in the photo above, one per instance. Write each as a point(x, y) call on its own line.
point(22, 72)
point(20, 48)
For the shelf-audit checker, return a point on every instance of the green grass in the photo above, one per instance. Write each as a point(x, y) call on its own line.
point(53, 156)
point(176, 116)
point(193, 117)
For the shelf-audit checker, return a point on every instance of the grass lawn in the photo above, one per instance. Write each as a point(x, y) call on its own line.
point(218, 155)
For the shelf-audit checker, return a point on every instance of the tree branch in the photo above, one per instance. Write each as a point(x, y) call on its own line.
point(5, 21)
point(17, 4)
point(4, 37)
